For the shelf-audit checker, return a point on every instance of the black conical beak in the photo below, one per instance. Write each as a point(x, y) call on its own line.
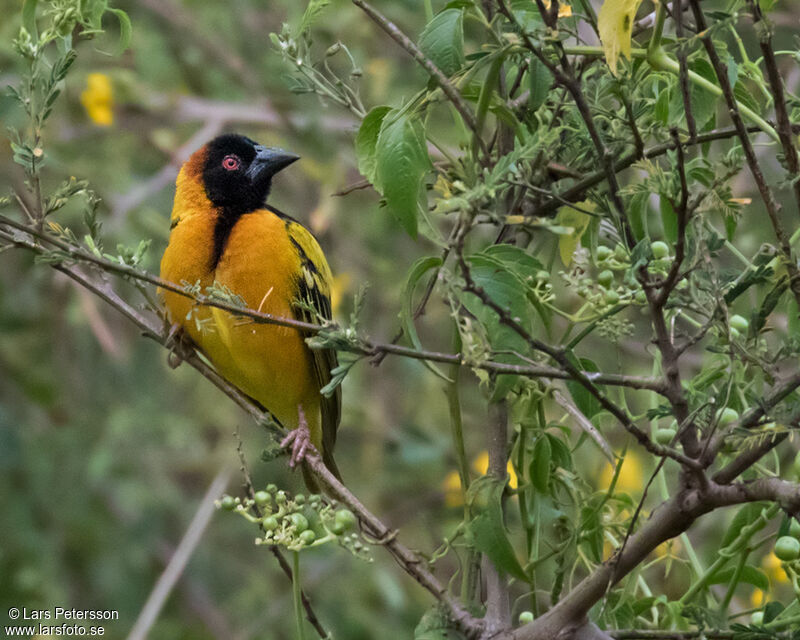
point(268, 161)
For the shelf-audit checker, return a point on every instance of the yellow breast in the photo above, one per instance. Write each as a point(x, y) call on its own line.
point(269, 362)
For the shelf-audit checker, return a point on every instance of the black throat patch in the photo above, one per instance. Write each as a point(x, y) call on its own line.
point(227, 217)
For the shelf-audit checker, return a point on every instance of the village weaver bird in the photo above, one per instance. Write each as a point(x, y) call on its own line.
point(224, 234)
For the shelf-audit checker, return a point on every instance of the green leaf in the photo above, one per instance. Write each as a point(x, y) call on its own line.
point(443, 40)
point(772, 611)
point(743, 96)
point(29, 18)
point(704, 103)
point(749, 575)
point(591, 529)
point(638, 208)
point(92, 13)
point(540, 80)
point(577, 221)
point(669, 220)
point(367, 140)
point(585, 401)
point(793, 317)
point(418, 269)
point(401, 163)
point(539, 468)
point(487, 531)
point(661, 109)
point(745, 516)
point(524, 267)
point(561, 453)
point(614, 23)
point(312, 12)
point(436, 624)
point(125, 31)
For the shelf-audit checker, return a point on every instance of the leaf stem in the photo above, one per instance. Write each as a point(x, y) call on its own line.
point(658, 28)
point(660, 61)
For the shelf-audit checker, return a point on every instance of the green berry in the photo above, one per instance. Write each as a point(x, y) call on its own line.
point(525, 617)
point(757, 618)
point(542, 276)
point(280, 497)
point(787, 548)
point(300, 499)
point(794, 528)
point(739, 323)
point(727, 416)
point(299, 521)
point(308, 537)
point(620, 253)
point(605, 278)
point(641, 297)
point(345, 518)
point(664, 436)
point(227, 503)
point(262, 498)
point(583, 292)
point(660, 249)
point(271, 488)
point(603, 253)
point(270, 523)
point(611, 297)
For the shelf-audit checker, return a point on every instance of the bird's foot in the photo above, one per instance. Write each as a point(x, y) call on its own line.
point(179, 344)
point(299, 440)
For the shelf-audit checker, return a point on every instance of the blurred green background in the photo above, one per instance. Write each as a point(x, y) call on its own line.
point(106, 452)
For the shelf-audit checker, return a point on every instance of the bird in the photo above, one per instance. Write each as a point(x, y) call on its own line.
point(223, 234)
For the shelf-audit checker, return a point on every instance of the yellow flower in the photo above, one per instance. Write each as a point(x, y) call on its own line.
point(772, 567)
point(481, 465)
point(758, 598)
point(451, 486)
point(564, 10)
point(631, 476)
point(670, 547)
point(98, 99)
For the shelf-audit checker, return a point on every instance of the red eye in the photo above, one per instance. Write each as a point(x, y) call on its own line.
point(230, 163)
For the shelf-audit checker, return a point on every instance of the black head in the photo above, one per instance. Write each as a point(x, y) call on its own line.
point(238, 172)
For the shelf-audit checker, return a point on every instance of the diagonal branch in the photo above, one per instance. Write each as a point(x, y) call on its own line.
point(560, 357)
point(435, 72)
point(153, 327)
point(784, 127)
point(721, 71)
point(359, 345)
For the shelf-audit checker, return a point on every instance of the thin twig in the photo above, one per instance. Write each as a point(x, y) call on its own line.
point(721, 71)
point(362, 346)
point(435, 72)
point(174, 569)
point(784, 124)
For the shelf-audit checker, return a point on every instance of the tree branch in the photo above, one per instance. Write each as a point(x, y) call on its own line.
point(435, 72)
point(358, 345)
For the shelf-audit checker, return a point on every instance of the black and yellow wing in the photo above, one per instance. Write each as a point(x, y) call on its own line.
point(314, 292)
